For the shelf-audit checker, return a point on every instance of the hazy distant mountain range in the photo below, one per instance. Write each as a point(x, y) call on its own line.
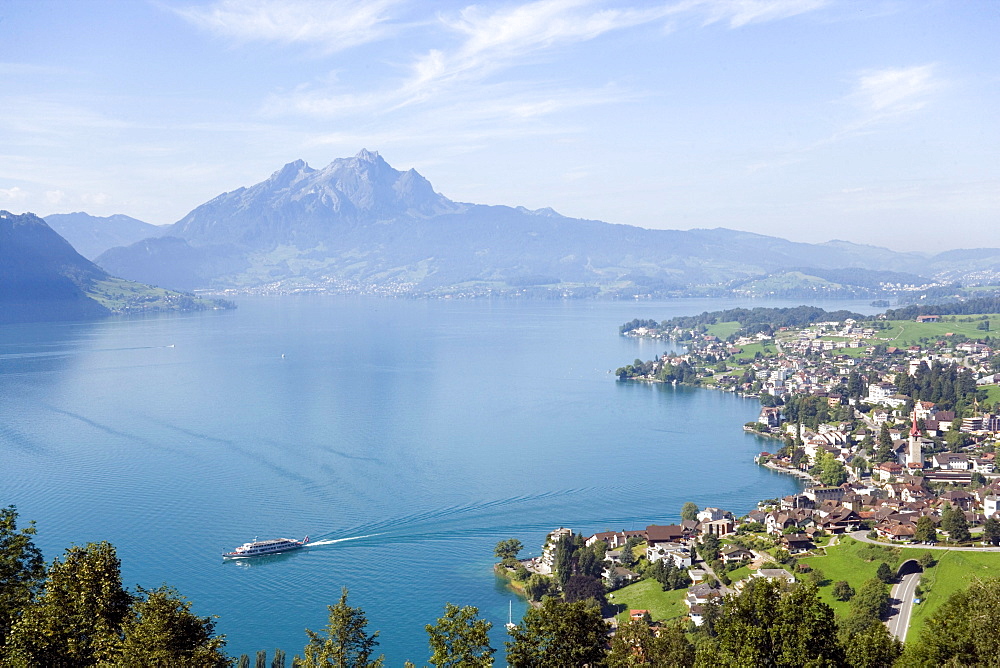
point(359, 224)
point(43, 278)
point(92, 235)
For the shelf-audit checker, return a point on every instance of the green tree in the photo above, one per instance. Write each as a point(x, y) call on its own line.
point(627, 555)
point(558, 635)
point(507, 550)
point(884, 573)
point(926, 532)
point(460, 638)
point(261, 660)
point(583, 587)
point(22, 570)
point(869, 605)
point(831, 471)
point(991, 531)
point(278, 660)
point(708, 548)
point(538, 586)
point(345, 643)
point(689, 511)
point(883, 453)
point(162, 630)
point(635, 645)
point(843, 591)
point(78, 618)
point(768, 626)
point(954, 522)
point(873, 647)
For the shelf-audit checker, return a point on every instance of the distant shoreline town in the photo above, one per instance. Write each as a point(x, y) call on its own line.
point(891, 423)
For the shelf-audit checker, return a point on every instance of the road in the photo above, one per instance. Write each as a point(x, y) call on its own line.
point(902, 605)
point(862, 536)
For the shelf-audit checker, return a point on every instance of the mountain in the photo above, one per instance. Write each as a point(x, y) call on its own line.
point(361, 224)
point(92, 235)
point(43, 278)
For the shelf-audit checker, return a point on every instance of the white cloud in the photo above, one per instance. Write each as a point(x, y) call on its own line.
point(95, 199)
point(333, 24)
point(895, 89)
point(14, 194)
point(55, 197)
point(742, 12)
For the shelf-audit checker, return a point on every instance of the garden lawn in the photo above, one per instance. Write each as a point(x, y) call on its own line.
point(649, 595)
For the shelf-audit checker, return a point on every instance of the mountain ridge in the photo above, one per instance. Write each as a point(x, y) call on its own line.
point(360, 222)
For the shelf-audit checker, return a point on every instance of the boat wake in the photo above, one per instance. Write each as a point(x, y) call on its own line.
point(331, 541)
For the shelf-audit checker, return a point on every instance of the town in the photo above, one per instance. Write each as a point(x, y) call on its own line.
point(890, 423)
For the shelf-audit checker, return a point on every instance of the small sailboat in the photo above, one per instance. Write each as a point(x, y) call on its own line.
point(510, 617)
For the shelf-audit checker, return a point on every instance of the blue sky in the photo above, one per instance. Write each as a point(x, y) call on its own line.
point(874, 121)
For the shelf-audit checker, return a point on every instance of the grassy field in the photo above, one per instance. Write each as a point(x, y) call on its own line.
point(649, 595)
point(953, 572)
point(765, 348)
point(856, 562)
point(723, 329)
point(992, 393)
point(907, 332)
point(851, 561)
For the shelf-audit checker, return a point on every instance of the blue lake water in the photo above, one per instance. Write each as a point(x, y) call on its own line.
point(415, 434)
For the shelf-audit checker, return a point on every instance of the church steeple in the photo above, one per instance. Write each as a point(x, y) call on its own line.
point(913, 453)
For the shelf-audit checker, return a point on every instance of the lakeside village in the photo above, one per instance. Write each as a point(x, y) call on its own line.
point(892, 425)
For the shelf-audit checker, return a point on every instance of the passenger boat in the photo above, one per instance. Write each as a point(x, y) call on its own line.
point(259, 548)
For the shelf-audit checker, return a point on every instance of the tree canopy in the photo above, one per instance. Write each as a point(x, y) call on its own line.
point(460, 639)
point(344, 642)
point(558, 635)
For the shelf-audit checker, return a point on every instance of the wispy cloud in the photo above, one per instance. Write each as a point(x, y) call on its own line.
point(738, 13)
point(895, 89)
point(333, 25)
point(879, 97)
point(479, 42)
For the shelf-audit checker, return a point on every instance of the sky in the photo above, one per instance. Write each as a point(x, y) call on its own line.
point(875, 121)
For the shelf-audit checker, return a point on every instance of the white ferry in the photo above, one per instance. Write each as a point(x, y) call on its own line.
point(259, 548)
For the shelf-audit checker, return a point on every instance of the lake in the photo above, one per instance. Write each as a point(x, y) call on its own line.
point(406, 437)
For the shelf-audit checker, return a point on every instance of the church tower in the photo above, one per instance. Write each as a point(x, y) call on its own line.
point(913, 453)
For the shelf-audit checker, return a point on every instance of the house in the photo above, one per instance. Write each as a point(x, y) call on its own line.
point(774, 574)
point(951, 461)
point(718, 527)
point(679, 554)
point(770, 416)
point(959, 499)
point(797, 543)
point(735, 553)
point(713, 514)
point(821, 494)
point(670, 533)
point(887, 470)
point(841, 520)
point(893, 530)
point(928, 318)
point(613, 539)
point(620, 575)
point(641, 615)
point(700, 594)
point(879, 393)
point(546, 563)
